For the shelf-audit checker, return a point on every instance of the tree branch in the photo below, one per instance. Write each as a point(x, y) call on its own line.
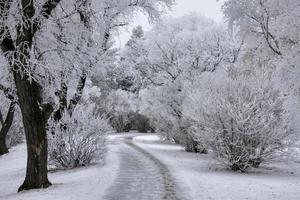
point(79, 91)
point(47, 9)
point(1, 119)
point(8, 92)
point(7, 43)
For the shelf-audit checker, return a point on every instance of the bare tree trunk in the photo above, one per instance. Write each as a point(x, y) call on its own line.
point(63, 102)
point(5, 128)
point(79, 91)
point(105, 40)
point(35, 112)
point(3, 146)
point(35, 116)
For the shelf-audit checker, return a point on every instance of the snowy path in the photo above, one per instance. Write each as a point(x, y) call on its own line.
point(135, 169)
point(142, 176)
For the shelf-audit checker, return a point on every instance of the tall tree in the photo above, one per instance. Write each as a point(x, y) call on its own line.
point(109, 16)
point(272, 41)
point(23, 28)
point(34, 110)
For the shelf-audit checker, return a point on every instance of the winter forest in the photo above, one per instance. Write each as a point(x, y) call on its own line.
point(188, 107)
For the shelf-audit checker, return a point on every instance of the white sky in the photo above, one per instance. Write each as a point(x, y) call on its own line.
point(208, 8)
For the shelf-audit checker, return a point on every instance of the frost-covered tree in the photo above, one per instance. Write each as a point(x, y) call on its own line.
point(119, 107)
point(17, 35)
point(173, 54)
point(271, 32)
point(27, 30)
point(111, 76)
point(273, 23)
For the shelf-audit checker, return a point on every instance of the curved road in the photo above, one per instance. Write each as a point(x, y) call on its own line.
point(141, 176)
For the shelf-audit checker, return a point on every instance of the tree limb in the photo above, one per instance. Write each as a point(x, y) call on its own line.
point(1, 119)
point(7, 43)
point(47, 9)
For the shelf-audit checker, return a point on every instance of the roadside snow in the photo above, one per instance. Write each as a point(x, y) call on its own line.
point(197, 177)
point(201, 178)
point(147, 138)
point(88, 183)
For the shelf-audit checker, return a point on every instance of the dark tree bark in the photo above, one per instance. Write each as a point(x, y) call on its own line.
point(35, 113)
point(63, 102)
point(79, 91)
point(6, 124)
point(3, 146)
point(84, 14)
point(105, 40)
point(7, 121)
point(35, 116)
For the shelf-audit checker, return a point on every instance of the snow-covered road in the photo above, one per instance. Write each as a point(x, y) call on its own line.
point(142, 176)
point(143, 167)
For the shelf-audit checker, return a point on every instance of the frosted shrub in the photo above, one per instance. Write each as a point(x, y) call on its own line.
point(121, 122)
point(140, 122)
point(163, 126)
point(119, 105)
point(244, 123)
point(77, 140)
point(192, 142)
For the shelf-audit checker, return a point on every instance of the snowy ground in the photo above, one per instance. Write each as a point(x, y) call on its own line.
point(201, 179)
point(88, 183)
point(140, 167)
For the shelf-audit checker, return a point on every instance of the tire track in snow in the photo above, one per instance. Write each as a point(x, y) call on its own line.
point(142, 176)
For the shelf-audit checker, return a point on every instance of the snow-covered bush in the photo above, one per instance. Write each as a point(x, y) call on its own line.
point(119, 105)
point(124, 122)
point(77, 140)
point(120, 122)
point(191, 140)
point(162, 126)
point(161, 108)
point(174, 53)
point(140, 122)
point(243, 121)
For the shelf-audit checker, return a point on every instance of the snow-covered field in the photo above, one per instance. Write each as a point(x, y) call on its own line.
point(129, 168)
point(201, 179)
point(88, 183)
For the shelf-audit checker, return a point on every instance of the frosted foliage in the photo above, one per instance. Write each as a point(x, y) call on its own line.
point(270, 28)
point(263, 18)
point(173, 55)
point(271, 31)
point(57, 51)
point(180, 48)
point(78, 140)
point(127, 8)
point(163, 106)
point(118, 106)
point(243, 121)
